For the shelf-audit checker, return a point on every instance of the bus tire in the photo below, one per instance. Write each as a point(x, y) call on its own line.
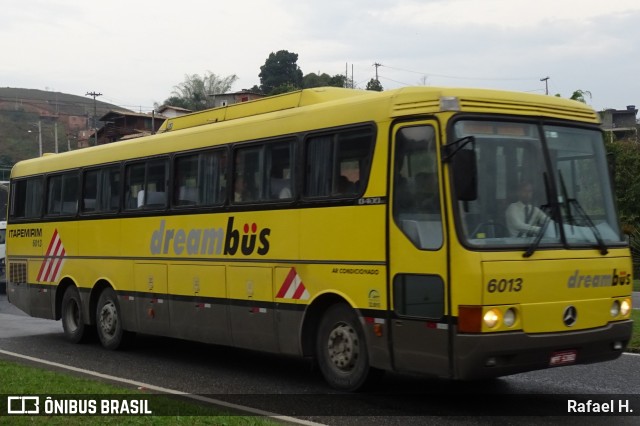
point(341, 349)
point(109, 321)
point(75, 330)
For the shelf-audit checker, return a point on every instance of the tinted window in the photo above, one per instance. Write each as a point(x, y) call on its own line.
point(419, 296)
point(62, 195)
point(416, 195)
point(101, 190)
point(200, 179)
point(146, 184)
point(338, 163)
point(263, 173)
point(27, 198)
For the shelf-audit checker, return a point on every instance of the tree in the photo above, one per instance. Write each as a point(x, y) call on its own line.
point(280, 73)
point(324, 79)
point(579, 95)
point(375, 85)
point(195, 91)
point(626, 157)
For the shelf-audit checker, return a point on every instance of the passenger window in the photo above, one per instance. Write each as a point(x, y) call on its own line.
point(201, 179)
point(263, 173)
point(101, 190)
point(27, 198)
point(146, 185)
point(280, 180)
point(62, 195)
point(338, 163)
point(248, 173)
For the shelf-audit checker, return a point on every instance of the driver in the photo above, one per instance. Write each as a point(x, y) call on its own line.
point(523, 218)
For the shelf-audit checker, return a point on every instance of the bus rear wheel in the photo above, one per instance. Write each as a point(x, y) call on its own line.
point(341, 349)
point(75, 330)
point(109, 321)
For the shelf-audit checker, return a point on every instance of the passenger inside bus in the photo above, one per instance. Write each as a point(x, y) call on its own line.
point(240, 189)
point(280, 186)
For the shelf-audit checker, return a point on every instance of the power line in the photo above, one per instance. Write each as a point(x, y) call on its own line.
point(459, 77)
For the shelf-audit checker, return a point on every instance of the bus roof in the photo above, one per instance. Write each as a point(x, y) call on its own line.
point(236, 122)
point(269, 104)
point(404, 101)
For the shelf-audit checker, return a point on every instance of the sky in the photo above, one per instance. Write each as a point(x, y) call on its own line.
point(135, 52)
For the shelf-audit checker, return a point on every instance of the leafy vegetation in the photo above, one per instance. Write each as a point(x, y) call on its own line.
point(196, 91)
point(280, 73)
point(634, 344)
point(374, 85)
point(22, 380)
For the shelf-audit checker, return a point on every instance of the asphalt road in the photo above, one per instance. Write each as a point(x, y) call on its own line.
point(293, 387)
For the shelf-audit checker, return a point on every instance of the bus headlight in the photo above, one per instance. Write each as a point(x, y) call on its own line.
point(625, 307)
point(491, 318)
point(509, 317)
point(615, 309)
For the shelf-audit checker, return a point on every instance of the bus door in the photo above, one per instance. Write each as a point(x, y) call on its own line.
point(417, 254)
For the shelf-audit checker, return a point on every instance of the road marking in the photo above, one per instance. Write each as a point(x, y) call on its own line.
point(229, 405)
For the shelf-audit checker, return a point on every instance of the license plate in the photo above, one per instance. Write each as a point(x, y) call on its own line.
point(563, 358)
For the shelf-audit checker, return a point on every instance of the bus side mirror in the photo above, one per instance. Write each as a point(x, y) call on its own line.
point(465, 175)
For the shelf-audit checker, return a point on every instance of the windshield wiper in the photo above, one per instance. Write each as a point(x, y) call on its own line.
point(549, 210)
point(543, 228)
point(596, 233)
point(582, 214)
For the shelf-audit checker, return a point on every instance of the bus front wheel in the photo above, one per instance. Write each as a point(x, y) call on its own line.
point(341, 349)
point(75, 330)
point(109, 320)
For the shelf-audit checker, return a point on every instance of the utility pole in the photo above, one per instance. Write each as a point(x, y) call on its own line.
point(95, 113)
point(40, 137)
point(346, 75)
point(375, 64)
point(546, 85)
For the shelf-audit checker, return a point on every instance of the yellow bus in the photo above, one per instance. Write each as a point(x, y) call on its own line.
point(459, 233)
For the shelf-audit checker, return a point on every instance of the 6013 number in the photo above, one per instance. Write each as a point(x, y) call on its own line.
point(504, 285)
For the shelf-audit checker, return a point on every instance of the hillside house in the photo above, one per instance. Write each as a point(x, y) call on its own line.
point(120, 125)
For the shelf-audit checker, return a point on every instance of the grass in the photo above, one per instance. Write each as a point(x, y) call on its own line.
point(634, 344)
point(20, 380)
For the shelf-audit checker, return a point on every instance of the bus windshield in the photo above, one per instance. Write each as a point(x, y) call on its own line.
point(541, 185)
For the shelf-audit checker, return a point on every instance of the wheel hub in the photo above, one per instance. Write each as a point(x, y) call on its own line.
point(343, 347)
point(108, 318)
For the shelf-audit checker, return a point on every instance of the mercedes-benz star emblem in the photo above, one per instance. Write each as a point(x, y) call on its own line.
point(570, 316)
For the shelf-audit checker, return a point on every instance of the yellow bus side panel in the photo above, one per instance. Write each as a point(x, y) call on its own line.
point(249, 283)
point(196, 279)
point(344, 233)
